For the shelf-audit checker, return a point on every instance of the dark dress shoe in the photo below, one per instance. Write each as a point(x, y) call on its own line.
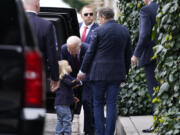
point(89, 133)
point(149, 130)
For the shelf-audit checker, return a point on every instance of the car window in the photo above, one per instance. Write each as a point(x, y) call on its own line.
point(9, 28)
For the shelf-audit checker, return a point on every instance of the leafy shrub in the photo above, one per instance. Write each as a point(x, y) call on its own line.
point(167, 102)
point(167, 52)
point(134, 98)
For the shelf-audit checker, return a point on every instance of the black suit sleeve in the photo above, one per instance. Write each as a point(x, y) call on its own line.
point(144, 32)
point(128, 54)
point(89, 56)
point(51, 52)
point(63, 54)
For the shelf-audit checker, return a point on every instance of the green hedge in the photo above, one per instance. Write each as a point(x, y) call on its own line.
point(134, 98)
point(167, 53)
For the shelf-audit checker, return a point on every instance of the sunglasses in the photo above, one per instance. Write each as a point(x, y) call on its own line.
point(90, 14)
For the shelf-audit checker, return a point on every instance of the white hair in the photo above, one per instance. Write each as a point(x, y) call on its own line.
point(74, 40)
point(32, 5)
point(30, 1)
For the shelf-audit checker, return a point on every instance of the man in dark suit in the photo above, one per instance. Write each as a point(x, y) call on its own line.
point(144, 50)
point(108, 61)
point(86, 30)
point(88, 25)
point(44, 33)
point(74, 51)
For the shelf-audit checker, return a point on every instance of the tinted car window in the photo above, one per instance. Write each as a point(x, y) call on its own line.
point(9, 28)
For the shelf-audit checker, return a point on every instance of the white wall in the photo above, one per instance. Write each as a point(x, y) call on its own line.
point(53, 3)
point(57, 3)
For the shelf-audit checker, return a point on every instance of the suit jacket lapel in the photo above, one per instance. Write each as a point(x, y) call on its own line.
point(89, 34)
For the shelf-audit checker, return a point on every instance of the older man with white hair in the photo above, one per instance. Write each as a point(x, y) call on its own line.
point(74, 51)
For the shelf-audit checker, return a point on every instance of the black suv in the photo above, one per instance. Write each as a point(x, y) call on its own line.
point(22, 96)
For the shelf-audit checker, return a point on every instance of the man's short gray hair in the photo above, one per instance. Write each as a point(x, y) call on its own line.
point(73, 40)
point(108, 13)
point(30, 1)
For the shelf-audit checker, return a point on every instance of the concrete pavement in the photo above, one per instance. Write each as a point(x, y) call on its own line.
point(51, 119)
point(132, 125)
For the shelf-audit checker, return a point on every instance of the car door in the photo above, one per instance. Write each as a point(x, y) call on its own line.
point(22, 109)
point(11, 68)
point(65, 22)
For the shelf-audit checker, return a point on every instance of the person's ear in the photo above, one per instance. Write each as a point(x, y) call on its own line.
point(37, 6)
point(103, 19)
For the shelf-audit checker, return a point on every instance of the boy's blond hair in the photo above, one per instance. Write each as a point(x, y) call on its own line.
point(62, 68)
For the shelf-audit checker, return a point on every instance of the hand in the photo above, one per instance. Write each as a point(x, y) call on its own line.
point(81, 76)
point(54, 85)
point(134, 60)
point(76, 100)
point(75, 86)
point(75, 80)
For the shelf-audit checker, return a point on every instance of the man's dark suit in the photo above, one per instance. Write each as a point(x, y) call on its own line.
point(87, 100)
point(108, 60)
point(108, 57)
point(144, 48)
point(44, 32)
point(65, 93)
point(88, 37)
point(65, 55)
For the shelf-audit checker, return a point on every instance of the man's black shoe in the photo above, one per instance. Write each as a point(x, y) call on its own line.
point(89, 133)
point(149, 130)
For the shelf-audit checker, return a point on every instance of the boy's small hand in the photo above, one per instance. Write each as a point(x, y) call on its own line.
point(54, 85)
point(76, 86)
point(76, 100)
point(75, 80)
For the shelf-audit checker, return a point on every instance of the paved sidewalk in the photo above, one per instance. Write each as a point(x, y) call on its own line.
point(77, 125)
point(134, 125)
point(51, 119)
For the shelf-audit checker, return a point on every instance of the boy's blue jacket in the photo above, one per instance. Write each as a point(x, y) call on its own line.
point(65, 94)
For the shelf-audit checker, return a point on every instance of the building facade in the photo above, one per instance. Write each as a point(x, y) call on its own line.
point(105, 3)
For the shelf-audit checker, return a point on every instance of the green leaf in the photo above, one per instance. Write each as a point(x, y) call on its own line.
point(164, 87)
point(173, 8)
point(137, 78)
point(154, 32)
point(166, 37)
point(176, 132)
point(176, 87)
point(164, 19)
point(171, 78)
point(165, 97)
point(157, 49)
point(166, 7)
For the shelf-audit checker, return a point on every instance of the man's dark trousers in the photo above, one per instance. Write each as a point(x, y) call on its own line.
point(150, 78)
point(110, 90)
point(87, 102)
